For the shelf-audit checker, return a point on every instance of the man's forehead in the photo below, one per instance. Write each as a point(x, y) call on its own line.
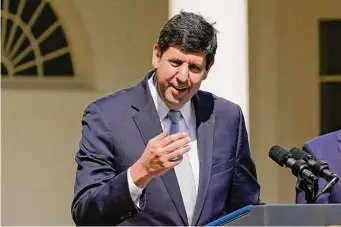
point(183, 51)
point(178, 53)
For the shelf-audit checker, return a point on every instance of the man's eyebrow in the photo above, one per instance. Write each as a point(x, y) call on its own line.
point(190, 63)
point(174, 59)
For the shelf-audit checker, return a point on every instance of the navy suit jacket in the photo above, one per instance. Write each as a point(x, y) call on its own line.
point(116, 129)
point(328, 148)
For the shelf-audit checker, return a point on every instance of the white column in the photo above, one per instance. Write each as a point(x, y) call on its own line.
point(228, 77)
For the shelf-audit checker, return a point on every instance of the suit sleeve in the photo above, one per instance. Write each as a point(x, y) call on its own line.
point(102, 194)
point(245, 189)
point(300, 195)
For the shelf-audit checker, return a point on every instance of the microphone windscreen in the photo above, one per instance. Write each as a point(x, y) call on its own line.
point(298, 154)
point(278, 154)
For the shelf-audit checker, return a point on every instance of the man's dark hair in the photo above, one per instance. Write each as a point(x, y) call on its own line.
point(191, 33)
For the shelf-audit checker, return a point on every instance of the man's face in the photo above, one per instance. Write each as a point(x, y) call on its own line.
point(179, 75)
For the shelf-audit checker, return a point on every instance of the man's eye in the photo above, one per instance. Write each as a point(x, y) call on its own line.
point(175, 63)
point(195, 69)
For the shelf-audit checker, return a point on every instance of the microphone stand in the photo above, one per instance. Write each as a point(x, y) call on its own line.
point(310, 188)
point(308, 184)
point(329, 186)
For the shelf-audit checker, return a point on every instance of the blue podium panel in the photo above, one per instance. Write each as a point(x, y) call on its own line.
point(283, 215)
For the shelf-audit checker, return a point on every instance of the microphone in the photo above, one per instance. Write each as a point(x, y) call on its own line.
point(298, 168)
point(319, 168)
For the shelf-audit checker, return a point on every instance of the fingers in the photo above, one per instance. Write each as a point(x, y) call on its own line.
point(164, 151)
point(176, 155)
point(162, 135)
point(172, 138)
point(176, 144)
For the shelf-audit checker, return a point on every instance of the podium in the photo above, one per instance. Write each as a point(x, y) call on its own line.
point(283, 215)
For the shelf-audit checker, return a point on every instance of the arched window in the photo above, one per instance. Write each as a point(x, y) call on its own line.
point(33, 42)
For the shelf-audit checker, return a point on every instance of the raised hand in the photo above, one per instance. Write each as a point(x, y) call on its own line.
point(162, 153)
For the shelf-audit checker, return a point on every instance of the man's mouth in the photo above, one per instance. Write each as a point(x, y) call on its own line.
point(180, 88)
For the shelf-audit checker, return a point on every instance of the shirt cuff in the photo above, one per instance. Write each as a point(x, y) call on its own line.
point(135, 192)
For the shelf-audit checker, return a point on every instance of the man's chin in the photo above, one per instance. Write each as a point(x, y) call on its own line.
point(174, 104)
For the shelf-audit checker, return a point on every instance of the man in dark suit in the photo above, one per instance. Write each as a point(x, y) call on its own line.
point(162, 152)
point(327, 148)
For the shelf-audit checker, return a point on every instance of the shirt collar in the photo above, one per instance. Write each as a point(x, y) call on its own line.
point(162, 108)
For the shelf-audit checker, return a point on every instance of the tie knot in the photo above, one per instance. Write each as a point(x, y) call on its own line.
point(174, 116)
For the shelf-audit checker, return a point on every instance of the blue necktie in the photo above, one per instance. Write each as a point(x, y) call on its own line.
point(183, 171)
point(174, 117)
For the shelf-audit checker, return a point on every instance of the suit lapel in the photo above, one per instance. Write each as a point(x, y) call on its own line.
point(147, 121)
point(144, 111)
point(205, 131)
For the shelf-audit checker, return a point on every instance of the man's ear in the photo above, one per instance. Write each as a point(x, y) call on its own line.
point(208, 69)
point(156, 56)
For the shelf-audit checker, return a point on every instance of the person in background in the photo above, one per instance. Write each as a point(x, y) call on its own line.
point(327, 148)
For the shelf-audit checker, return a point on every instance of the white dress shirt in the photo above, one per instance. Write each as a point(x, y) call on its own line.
point(187, 124)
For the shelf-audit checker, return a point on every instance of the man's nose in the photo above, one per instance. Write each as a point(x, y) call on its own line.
point(183, 73)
